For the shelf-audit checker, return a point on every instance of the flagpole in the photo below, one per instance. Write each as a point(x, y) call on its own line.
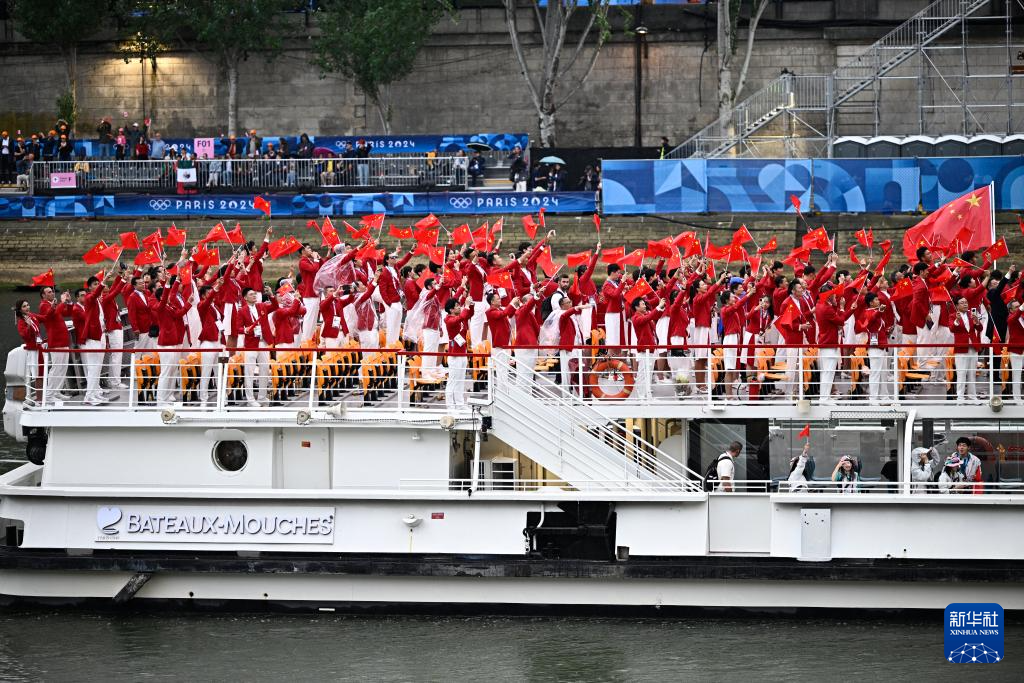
point(992, 210)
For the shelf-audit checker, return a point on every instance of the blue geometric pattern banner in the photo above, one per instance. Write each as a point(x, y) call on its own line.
point(826, 185)
point(282, 206)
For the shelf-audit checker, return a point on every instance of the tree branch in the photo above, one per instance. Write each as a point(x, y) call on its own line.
point(517, 49)
point(540, 22)
point(581, 42)
point(586, 74)
point(754, 20)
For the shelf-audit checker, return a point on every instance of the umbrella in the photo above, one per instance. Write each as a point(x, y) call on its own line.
point(552, 160)
point(479, 146)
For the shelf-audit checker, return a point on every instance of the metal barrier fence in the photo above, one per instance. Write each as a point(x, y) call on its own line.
point(233, 175)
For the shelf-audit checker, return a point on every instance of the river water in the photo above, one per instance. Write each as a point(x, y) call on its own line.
point(80, 645)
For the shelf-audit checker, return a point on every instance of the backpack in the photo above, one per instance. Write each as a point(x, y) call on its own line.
point(711, 474)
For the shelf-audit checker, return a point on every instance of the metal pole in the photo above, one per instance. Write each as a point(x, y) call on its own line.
point(638, 79)
point(963, 67)
point(1009, 68)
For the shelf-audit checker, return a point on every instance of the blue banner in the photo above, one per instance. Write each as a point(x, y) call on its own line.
point(283, 206)
point(826, 185)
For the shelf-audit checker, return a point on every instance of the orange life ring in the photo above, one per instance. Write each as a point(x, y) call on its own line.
point(612, 366)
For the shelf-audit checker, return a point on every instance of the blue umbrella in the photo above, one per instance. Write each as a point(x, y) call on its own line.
point(552, 160)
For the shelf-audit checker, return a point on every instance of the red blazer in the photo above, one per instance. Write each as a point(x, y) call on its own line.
point(527, 326)
point(458, 328)
point(92, 330)
point(111, 313)
point(644, 332)
point(245, 324)
point(569, 332)
point(1015, 332)
point(412, 292)
point(830, 320)
point(308, 269)
point(209, 315)
point(140, 314)
point(702, 305)
point(678, 318)
point(52, 315)
point(286, 322)
point(966, 334)
point(876, 326)
point(331, 308)
point(171, 317)
point(30, 333)
point(501, 329)
point(612, 294)
point(733, 318)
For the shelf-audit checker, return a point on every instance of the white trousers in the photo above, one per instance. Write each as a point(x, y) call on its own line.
point(56, 371)
point(476, 323)
point(144, 341)
point(455, 388)
point(747, 357)
point(729, 351)
point(642, 381)
point(828, 363)
point(392, 322)
point(701, 336)
point(1016, 365)
point(586, 320)
point(679, 364)
point(431, 340)
point(93, 363)
point(115, 356)
point(312, 304)
point(333, 342)
point(252, 360)
point(612, 333)
point(565, 363)
point(526, 361)
point(167, 385)
point(369, 339)
point(879, 360)
point(791, 357)
point(207, 365)
point(966, 375)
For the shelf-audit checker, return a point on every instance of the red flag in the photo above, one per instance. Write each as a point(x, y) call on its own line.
point(903, 289)
point(235, 235)
point(795, 201)
point(284, 246)
point(742, 236)
point(800, 255)
point(185, 274)
point(500, 278)
point(675, 261)
point(633, 258)
point(400, 233)
point(46, 279)
point(462, 235)
point(368, 251)
point(540, 215)
point(770, 245)
point(953, 248)
point(130, 240)
point(285, 288)
point(641, 288)
point(482, 239)
point(1020, 222)
point(498, 227)
point(787, 318)
point(942, 277)
point(852, 251)
point(957, 262)
point(217, 234)
point(880, 268)
point(154, 240)
point(329, 236)
point(436, 254)
point(427, 222)
point(755, 263)
point(996, 251)
point(818, 239)
point(865, 237)
point(311, 223)
point(546, 264)
point(530, 226)
point(175, 237)
point(374, 221)
point(684, 239)
point(147, 257)
point(95, 255)
point(578, 259)
point(886, 245)
point(968, 218)
point(1010, 293)
point(612, 255)
point(597, 223)
point(113, 252)
point(261, 204)
point(939, 295)
point(716, 253)
point(659, 250)
point(805, 433)
point(426, 235)
point(361, 234)
point(207, 257)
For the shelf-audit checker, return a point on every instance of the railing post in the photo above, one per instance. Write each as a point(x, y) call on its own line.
point(46, 366)
point(312, 379)
point(131, 380)
point(895, 374)
point(401, 381)
point(222, 382)
point(992, 372)
point(799, 373)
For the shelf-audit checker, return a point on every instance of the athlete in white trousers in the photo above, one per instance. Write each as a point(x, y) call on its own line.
point(166, 386)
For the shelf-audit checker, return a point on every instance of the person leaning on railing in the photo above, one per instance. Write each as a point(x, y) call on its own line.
point(845, 475)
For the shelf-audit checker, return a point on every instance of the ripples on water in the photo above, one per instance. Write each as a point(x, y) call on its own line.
point(180, 646)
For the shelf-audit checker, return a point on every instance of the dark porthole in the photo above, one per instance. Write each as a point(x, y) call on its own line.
point(230, 456)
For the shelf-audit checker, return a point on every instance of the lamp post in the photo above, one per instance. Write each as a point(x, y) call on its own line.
point(639, 45)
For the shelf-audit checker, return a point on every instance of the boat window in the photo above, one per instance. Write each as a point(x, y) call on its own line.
point(230, 456)
point(999, 444)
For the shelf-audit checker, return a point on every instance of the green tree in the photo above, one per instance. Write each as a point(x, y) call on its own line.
point(63, 24)
point(230, 30)
point(375, 43)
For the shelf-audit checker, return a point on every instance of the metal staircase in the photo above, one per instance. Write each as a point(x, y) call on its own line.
point(561, 433)
point(826, 92)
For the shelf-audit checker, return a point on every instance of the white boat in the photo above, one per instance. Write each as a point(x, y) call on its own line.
point(357, 487)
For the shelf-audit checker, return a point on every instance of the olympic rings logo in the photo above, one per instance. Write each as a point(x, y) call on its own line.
point(460, 202)
point(160, 204)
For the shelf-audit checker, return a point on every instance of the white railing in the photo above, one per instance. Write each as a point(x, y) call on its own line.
point(630, 486)
point(236, 175)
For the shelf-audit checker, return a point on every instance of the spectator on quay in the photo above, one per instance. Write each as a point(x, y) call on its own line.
point(845, 475)
point(134, 134)
point(556, 178)
point(925, 464)
point(65, 149)
point(517, 169)
point(459, 166)
point(271, 152)
point(157, 148)
point(34, 146)
point(186, 161)
point(63, 128)
point(327, 171)
point(105, 133)
point(282, 148)
point(477, 167)
point(362, 167)
point(20, 150)
point(6, 158)
point(142, 149)
point(951, 480)
point(253, 145)
point(665, 148)
point(801, 469)
point(233, 149)
point(50, 146)
point(305, 148)
point(24, 173)
point(588, 182)
point(215, 167)
point(120, 145)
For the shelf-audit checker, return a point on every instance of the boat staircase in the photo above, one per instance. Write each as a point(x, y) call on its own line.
point(790, 93)
point(561, 433)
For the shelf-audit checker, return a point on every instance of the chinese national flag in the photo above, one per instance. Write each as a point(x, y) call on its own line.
point(482, 239)
point(805, 433)
point(742, 236)
point(886, 245)
point(852, 251)
point(462, 235)
point(185, 274)
point(530, 226)
point(613, 255)
point(715, 252)
point(597, 223)
point(641, 288)
point(436, 254)
point(130, 240)
point(787, 318)
point(1020, 222)
point(46, 279)
point(216, 234)
point(865, 237)
point(880, 268)
point(579, 259)
point(400, 233)
point(795, 201)
point(235, 236)
point(633, 258)
point(261, 204)
point(147, 257)
point(659, 249)
point(546, 263)
point(818, 239)
point(311, 223)
point(361, 234)
point(427, 222)
point(1009, 294)
point(207, 257)
point(540, 215)
point(154, 240)
point(175, 237)
point(374, 221)
point(426, 235)
point(770, 245)
point(755, 263)
point(95, 255)
point(939, 295)
point(684, 239)
point(968, 217)
point(996, 251)
point(500, 278)
point(113, 252)
point(329, 235)
point(283, 247)
point(498, 227)
point(902, 290)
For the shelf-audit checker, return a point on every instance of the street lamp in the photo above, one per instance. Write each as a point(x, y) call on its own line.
point(639, 53)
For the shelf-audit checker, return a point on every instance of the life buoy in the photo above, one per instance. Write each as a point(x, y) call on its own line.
point(613, 367)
